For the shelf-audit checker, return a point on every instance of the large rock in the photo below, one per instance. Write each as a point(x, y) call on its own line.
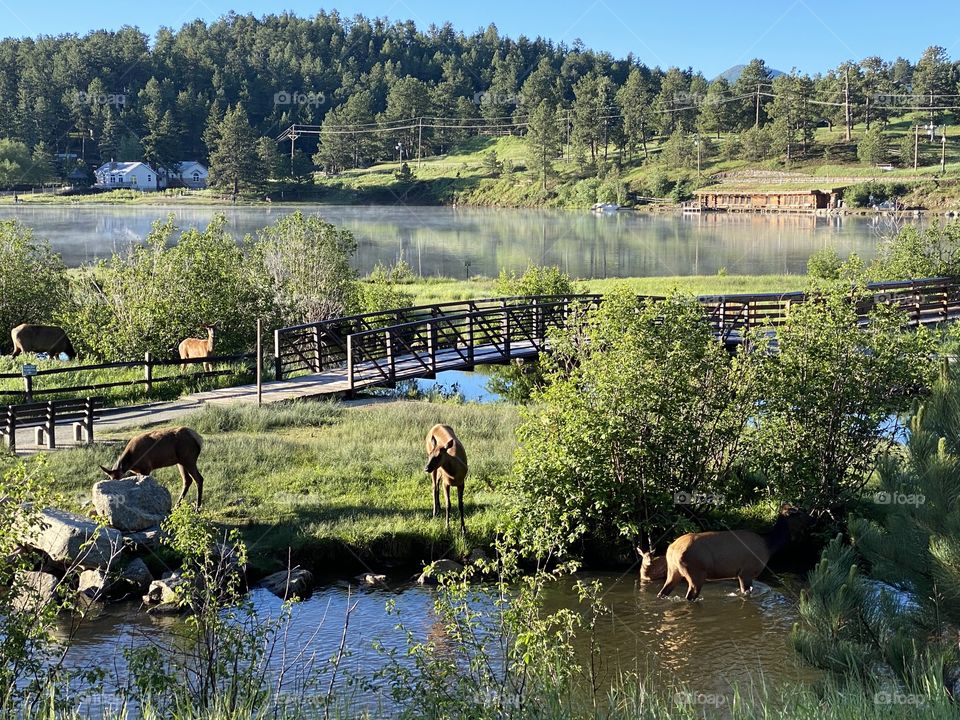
point(136, 575)
point(34, 590)
point(164, 591)
point(295, 583)
point(432, 573)
point(135, 503)
point(74, 540)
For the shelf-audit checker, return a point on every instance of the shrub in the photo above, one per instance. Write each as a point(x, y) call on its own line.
point(660, 184)
point(825, 264)
point(34, 286)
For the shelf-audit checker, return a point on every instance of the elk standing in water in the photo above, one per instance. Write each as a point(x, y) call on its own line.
point(447, 466)
point(741, 554)
point(652, 567)
point(193, 348)
point(149, 451)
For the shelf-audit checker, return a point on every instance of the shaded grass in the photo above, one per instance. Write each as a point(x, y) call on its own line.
point(343, 486)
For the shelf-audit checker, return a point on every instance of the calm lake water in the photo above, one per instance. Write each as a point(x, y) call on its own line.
point(710, 646)
point(465, 242)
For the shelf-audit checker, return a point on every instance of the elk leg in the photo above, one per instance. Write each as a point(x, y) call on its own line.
point(673, 578)
point(16, 351)
point(694, 582)
point(185, 477)
point(198, 478)
point(446, 492)
point(436, 493)
point(463, 524)
point(746, 584)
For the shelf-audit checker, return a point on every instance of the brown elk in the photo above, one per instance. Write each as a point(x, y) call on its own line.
point(41, 338)
point(447, 466)
point(652, 567)
point(194, 348)
point(741, 554)
point(149, 451)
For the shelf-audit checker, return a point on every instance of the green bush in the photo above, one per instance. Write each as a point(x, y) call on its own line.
point(825, 264)
point(34, 286)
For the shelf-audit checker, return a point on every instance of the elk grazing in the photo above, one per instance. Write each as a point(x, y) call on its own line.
point(652, 567)
point(149, 451)
point(447, 466)
point(41, 338)
point(194, 348)
point(741, 554)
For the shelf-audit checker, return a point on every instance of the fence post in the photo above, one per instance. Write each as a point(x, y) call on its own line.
point(277, 361)
point(28, 388)
point(51, 425)
point(470, 339)
point(88, 420)
point(315, 331)
point(506, 331)
point(148, 371)
point(259, 361)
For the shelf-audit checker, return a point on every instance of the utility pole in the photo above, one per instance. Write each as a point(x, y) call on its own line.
point(419, 141)
point(868, 113)
point(756, 123)
point(916, 144)
point(943, 150)
point(846, 101)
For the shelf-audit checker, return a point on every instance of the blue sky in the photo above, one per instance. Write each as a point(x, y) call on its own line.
point(812, 35)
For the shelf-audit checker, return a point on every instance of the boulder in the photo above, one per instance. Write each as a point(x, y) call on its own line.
point(371, 579)
point(94, 583)
point(136, 575)
point(97, 584)
point(477, 555)
point(432, 573)
point(164, 591)
point(148, 539)
point(34, 589)
point(131, 504)
point(74, 540)
point(295, 583)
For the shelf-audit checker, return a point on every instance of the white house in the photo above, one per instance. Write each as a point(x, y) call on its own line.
point(135, 175)
point(188, 173)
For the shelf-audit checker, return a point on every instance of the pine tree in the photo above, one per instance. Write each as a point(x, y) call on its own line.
point(233, 161)
point(543, 141)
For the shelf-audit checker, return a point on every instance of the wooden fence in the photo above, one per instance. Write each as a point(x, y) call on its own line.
point(148, 380)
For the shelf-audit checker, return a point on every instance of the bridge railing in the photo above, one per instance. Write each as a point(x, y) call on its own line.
point(320, 346)
point(371, 345)
point(422, 347)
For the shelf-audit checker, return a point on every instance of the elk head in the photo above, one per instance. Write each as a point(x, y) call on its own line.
point(435, 459)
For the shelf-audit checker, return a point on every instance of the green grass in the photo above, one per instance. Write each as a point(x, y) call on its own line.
point(437, 290)
point(335, 483)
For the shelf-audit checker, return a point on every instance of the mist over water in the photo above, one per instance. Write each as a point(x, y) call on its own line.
point(464, 242)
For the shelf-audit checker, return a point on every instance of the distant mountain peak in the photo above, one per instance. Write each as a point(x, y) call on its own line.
point(733, 73)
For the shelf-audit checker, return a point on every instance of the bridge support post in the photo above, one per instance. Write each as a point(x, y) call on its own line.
point(277, 362)
point(432, 346)
point(88, 418)
point(315, 332)
point(11, 428)
point(391, 357)
point(470, 340)
point(506, 333)
point(350, 381)
point(148, 372)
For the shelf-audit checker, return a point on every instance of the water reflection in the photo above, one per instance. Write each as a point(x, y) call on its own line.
point(459, 242)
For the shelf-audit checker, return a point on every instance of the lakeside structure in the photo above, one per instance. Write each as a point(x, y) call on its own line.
point(141, 176)
point(733, 199)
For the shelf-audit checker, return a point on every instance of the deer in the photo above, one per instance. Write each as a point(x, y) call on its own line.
point(41, 338)
point(193, 348)
point(652, 567)
point(722, 555)
point(156, 449)
point(447, 466)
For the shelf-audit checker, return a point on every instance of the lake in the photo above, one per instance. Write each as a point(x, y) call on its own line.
point(461, 242)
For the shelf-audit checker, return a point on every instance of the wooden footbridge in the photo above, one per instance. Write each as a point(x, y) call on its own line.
point(378, 349)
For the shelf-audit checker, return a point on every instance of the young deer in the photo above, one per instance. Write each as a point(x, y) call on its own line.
point(193, 348)
point(447, 465)
point(149, 451)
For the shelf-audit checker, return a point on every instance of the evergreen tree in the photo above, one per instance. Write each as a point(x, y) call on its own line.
point(543, 141)
point(753, 82)
point(233, 161)
point(633, 101)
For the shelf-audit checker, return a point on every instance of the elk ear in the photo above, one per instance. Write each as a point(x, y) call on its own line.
point(450, 444)
point(108, 473)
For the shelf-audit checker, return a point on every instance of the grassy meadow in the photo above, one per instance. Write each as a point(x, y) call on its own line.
point(342, 486)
